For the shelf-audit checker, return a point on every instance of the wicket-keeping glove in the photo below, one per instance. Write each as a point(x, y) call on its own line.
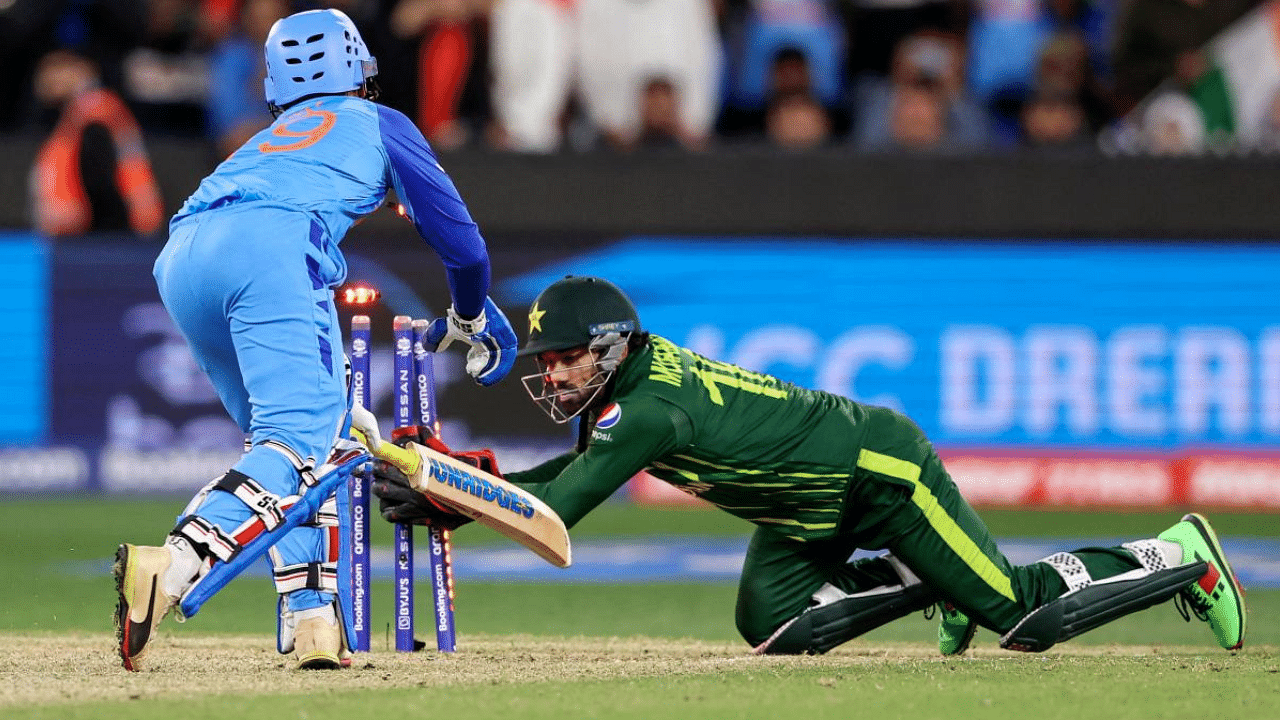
point(483, 458)
point(492, 341)
point(400, 503)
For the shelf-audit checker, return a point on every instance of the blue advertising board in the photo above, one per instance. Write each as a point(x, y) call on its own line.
point(1028, 344)
point(24, 338)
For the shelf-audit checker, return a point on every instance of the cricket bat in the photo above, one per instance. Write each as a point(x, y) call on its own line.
point(485, 498)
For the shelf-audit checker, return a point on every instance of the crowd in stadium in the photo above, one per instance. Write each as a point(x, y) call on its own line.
point(538, 76)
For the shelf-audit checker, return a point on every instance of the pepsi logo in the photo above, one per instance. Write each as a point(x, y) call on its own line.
point(609, 417)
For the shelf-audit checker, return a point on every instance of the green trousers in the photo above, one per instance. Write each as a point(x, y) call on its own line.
point(903, 501)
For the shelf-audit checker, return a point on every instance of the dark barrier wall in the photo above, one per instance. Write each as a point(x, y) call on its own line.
point(836, 193)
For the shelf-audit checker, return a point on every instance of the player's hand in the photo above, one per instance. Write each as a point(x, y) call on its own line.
point(399, 503)
point(492, 341)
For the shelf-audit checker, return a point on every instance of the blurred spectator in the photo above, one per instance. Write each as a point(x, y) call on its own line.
point(875, 27)
point(1004, 40)
point(917, 119)
point(1063, 71)
point(100, 30)
point(806, 30)
point(926, 67)
point(1151, 36)
point(1172, 125)
point(1055, 120)
point(92, 173)
point(1268, 141)
point(1094, 22)
point(626, 43)
point(1206, 84)
point(534, 49)
point(235, 105)
point(797, 121)
point(167, 75)
point(451, 43)
point(221, 18)
point(660, 126)
point(789, 74)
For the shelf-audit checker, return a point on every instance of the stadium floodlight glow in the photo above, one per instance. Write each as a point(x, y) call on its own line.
point(359, 295)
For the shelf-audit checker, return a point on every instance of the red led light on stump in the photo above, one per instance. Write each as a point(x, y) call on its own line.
point(359, 295)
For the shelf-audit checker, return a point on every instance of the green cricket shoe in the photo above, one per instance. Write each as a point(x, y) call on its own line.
point(956, 630)
point(1216, 598)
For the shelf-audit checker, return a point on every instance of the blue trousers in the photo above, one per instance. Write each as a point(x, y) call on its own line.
point(250, 287)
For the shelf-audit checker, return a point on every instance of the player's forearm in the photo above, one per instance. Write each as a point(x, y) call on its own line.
point(469, 285)
point(541, 474)
point(572, 499)
point(584, 483)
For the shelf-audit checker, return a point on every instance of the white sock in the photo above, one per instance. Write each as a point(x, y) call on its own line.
point(184, 567)
point(1172, 552)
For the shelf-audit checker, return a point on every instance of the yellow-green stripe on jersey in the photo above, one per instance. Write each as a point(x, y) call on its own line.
point(942, 523)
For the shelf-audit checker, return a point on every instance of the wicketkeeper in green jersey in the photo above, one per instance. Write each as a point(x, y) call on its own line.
point(821, 476)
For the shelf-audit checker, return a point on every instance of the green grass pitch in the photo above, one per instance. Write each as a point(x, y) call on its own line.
point(609, 651)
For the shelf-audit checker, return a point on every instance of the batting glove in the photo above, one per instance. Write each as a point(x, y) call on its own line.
point(363, 422)
point(492, 341)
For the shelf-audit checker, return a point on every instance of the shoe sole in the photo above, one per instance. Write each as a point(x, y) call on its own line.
point(320, 661)
point(1202, 526)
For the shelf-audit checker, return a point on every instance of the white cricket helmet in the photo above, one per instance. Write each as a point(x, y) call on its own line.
point(317, 52)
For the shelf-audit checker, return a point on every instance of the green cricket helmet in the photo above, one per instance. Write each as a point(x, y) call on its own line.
point(578, 312)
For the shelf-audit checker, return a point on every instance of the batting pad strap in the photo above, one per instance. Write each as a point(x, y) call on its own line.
point(207, 539)
point(1149, 553)
point(263, 503)
point(306, 576)
point(1071, 569)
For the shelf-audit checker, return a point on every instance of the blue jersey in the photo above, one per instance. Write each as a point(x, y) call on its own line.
point(335, 157)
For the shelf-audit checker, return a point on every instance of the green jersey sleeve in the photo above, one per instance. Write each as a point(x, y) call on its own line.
point(627, 436)
point(545, 472)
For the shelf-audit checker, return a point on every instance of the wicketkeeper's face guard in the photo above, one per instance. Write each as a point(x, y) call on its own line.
point(570, 381)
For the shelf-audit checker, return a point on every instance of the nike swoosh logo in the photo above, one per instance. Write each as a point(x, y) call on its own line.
point(141, 629)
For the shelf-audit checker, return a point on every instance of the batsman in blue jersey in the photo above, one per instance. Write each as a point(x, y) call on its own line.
point(247, 275)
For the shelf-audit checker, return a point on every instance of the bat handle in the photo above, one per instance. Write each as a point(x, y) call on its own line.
point(404, 459)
